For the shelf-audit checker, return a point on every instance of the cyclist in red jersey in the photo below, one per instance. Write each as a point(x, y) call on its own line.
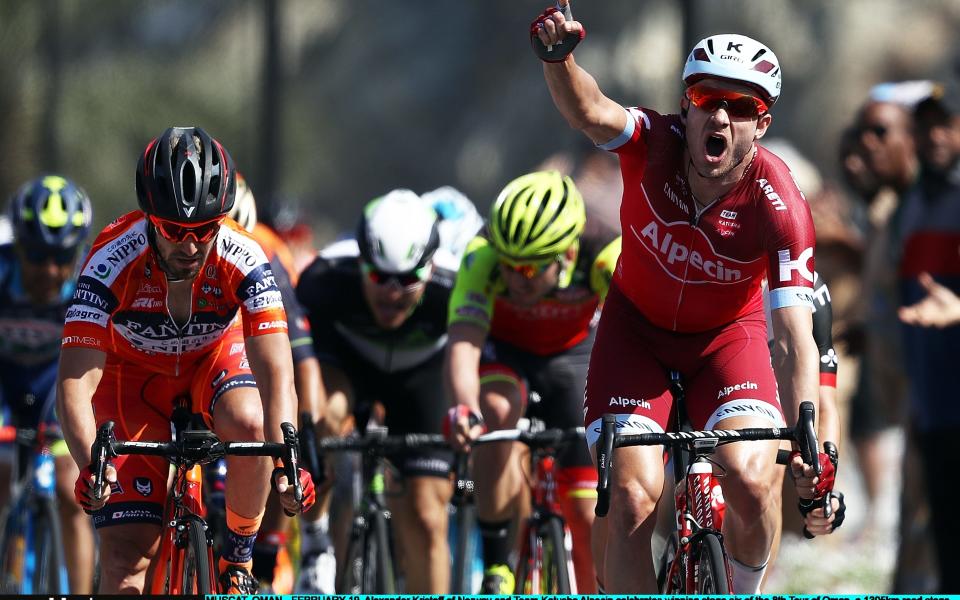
point(176, 303)
point(707, 215)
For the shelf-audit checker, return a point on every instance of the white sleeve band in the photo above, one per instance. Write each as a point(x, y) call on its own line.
point(791, 296)
point(624, 136)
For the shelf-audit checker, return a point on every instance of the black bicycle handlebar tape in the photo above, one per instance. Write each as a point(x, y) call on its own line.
point(556, 52)
point(99, 453)
point(308, 450)
point(807, 437)
point(290, 459)
point(608, 434)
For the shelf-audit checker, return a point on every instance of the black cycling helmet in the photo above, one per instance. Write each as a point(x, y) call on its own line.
point(186, 176)
point(50, 214)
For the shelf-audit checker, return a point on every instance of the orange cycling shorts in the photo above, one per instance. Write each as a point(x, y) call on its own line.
point(140, 402)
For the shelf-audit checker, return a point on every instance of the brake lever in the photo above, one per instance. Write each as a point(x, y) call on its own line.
point(605, 444)
point(290, 459)
point(99, 453)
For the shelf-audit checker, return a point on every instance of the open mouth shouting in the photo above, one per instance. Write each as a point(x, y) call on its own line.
point(715, 148)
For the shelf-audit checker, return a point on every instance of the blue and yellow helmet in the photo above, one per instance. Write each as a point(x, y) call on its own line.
point(50, 213)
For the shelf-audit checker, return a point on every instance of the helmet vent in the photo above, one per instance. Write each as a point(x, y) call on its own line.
point(534, 224)
point(710, 45)
point(700, 54)
point(188, 179)
point(764, 66)
point(759, 53)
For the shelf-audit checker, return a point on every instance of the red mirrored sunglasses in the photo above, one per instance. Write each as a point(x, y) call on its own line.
point(179, 232)
point(527, 270)
point(406, 281)
point(710, 99)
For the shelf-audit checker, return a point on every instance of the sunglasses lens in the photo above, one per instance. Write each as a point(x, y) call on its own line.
point(175, 232)
point(404, 280)
point(736, 104)
point(527, 270)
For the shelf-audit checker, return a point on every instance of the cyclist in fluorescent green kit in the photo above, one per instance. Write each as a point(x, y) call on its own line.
point(522, 321)
point(50, 217)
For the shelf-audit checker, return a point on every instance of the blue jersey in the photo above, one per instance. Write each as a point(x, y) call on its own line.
point(29, 335)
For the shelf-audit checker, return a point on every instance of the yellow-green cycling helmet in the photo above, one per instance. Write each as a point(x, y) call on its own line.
point(537, 217)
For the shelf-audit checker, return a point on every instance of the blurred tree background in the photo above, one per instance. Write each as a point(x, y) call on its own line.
point(325, 104)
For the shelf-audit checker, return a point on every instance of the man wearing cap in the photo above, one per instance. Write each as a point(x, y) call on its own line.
point(929, 275)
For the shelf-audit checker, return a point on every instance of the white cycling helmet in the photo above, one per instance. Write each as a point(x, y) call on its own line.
point(398, 233)
point(244, 209)
point(736, 58)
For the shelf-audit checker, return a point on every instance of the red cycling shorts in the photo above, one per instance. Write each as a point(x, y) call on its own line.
point(726, 372)
point(140, 402)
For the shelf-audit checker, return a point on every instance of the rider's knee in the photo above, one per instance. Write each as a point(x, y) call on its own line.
point(335, 415)
point(241, 418)
point(630, 505)
point(752, 490)
point(430, 515)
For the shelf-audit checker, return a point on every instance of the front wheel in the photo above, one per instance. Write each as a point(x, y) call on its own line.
point(711, 563)
point(50, 570)
point(543, 565)
point(197, 577)
point(356, 580)
point(671, 573)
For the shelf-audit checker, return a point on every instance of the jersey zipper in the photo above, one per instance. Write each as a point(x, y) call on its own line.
point(694, 225)
point(176, 370)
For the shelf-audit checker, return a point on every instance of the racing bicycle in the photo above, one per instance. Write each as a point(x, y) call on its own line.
point(369, 566)
point(694, 560)
point(185, 561)
point(31, 543)
point(545, 562)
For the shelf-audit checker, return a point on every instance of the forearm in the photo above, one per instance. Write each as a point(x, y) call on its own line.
point(272, 366)
point(309, 387)
point(796, 367)
point(580, 101)
point(77, 421)
point(461, 368)
point(829, 428)
point(463, 385)
point(78, 376)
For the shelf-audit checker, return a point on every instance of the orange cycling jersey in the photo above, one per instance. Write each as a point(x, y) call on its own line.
point(120, 303)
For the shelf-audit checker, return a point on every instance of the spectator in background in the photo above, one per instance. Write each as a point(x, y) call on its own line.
point(879, 162)
point(929, 227)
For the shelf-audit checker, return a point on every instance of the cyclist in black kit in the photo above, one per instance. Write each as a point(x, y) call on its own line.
point(377, 306)
point(829, 418)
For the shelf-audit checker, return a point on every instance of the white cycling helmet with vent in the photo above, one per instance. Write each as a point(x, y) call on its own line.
point(398, 233)
point(735, 58)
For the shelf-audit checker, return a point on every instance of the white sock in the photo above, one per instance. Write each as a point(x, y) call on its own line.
point(314, 538)
point(746, 579)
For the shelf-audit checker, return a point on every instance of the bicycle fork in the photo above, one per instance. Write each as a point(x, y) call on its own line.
point(700, 507)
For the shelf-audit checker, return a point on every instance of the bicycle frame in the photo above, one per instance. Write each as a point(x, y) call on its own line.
point(37, 481)
point(699, 509)
point(185, 502)
point(545, 505)
point(184, 511)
